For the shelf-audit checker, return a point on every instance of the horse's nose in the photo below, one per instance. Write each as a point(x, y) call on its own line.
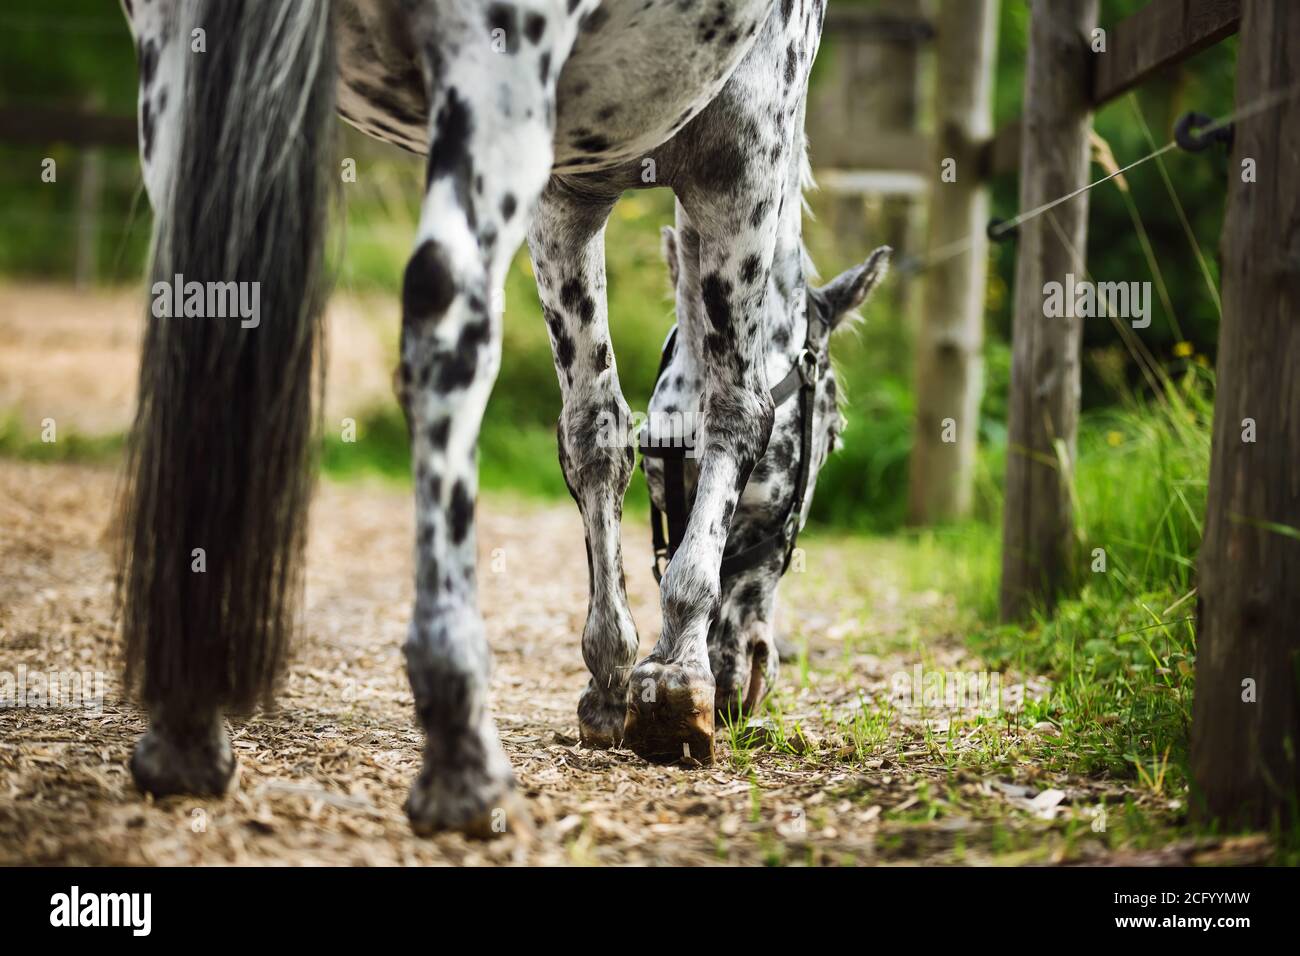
point(756, 688)
point(740, 689)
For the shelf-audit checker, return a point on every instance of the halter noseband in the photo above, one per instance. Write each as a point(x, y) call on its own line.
point(668, 528)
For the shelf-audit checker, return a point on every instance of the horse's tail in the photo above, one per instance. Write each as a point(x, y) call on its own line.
point(219, 469)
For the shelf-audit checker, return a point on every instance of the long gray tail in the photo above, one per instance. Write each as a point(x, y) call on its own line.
point(219, 471)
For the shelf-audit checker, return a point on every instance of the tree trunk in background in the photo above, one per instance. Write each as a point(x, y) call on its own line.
point(1038, 521)
point(1246, 726)
point(949, 370)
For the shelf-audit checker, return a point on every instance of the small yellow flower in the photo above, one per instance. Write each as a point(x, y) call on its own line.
point(1203, 361)
point(1113, 439)
point(1184, 349)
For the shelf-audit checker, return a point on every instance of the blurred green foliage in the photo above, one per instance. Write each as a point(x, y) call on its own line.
point(68, 54)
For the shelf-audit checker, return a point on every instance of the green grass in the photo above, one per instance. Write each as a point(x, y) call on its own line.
point(26, 445)
point(1120, 651)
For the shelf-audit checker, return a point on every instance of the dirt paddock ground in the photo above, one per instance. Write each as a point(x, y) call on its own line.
point(322, 779)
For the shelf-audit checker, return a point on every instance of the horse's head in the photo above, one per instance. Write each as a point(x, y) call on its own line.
point(800, 322)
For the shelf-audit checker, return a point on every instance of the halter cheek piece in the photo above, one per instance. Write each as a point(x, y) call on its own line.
point(668, 528)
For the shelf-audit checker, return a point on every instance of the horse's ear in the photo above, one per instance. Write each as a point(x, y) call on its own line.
point(848, 290)
point(670, 252)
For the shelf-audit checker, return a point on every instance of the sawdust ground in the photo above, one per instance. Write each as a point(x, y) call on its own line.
point(322, 779)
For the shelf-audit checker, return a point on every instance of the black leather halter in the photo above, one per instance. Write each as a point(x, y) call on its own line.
point(668, 528)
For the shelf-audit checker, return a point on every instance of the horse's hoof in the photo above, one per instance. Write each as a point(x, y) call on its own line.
point(600, 718)
point(195, 760)
point(474, 796)
point(505, 814)
point(670, 713)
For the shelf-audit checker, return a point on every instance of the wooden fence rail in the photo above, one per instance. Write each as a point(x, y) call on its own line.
point(30, 126)
point(1160, 35)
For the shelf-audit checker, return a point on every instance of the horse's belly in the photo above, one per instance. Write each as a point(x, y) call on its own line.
point(380, 89)
point(640, 71)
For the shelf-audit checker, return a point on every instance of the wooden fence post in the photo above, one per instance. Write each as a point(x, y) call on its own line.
point(1246, 725)
point(949, 370)
point(1038, 523)
point(90, 189)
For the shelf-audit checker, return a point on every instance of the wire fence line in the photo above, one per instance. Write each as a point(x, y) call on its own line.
point(961, 246)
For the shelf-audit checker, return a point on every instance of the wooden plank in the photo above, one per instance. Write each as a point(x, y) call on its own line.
point(1159, 35)
point(1038, 540)
point(896, 149)
point(872, 182)
point(949, 347)
point(28, 126)
point(1247, 709)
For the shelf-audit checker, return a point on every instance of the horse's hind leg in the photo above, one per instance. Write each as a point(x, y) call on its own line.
point(489, 159)
point(567, 241)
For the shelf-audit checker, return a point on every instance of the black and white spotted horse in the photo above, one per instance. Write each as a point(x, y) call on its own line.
point(535, 115)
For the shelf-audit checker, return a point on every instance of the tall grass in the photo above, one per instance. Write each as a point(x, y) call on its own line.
point(1121, 652)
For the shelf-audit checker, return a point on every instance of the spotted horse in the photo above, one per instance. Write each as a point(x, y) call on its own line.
point(535, 116)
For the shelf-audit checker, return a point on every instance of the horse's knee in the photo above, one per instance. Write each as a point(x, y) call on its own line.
point(738, 425)
point(448, 338)
point(594, 446)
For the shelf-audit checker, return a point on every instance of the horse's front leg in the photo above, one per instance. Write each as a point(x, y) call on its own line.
point(489, 159)
point(671, 697)
point(450, 352)
point(567, 242)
